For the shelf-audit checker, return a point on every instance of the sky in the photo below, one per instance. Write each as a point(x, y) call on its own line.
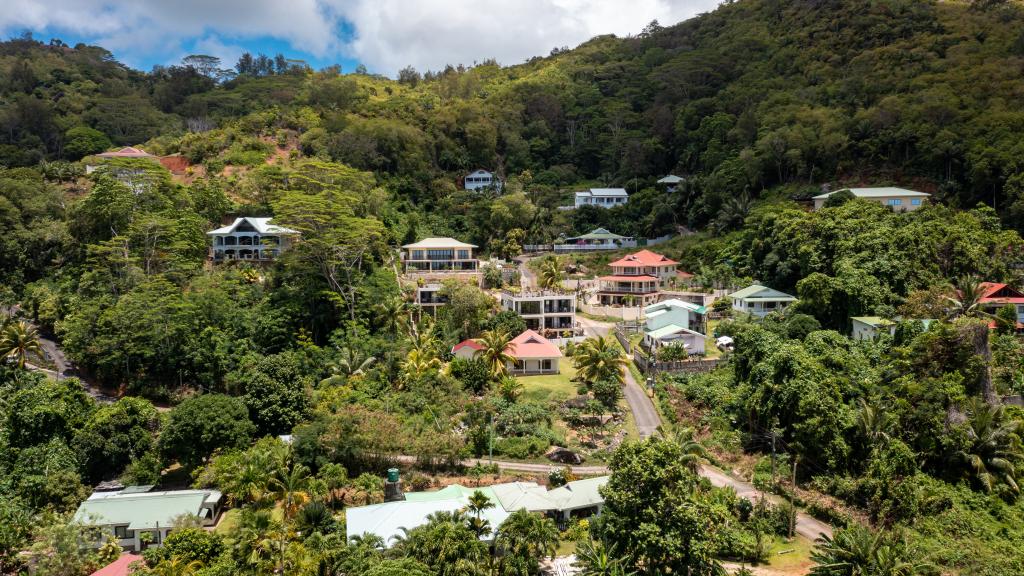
point(384, 35)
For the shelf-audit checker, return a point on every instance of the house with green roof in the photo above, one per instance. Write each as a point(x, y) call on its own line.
point(899, 199)
point(596, 239)
point(133, 511)
point(674, 321)
point(760, 300)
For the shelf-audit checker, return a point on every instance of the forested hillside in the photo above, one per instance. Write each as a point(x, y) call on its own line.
point(190, 370)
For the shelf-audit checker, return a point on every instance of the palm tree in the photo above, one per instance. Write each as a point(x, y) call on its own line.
point(550, 276)
point(874, 423)
point(289, 487)
point(392, 314)
point(18, 340)
point(995, 452)
point(350, 363)
point(599, 359)
point(528, 536)
point(857, 551)
point(691, 450)
point(478, 502)
point(510, 388)
point(495, 352)
point(417, 363)
point(175, 567)
point(595, 559)
point(967, 301)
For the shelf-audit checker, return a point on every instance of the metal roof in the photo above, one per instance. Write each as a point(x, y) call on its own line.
point(579, 494)
point(663, 306)
point(599, 234)
point(388, 520)
point(758, 292)
point(262, 225)
point(874, 321)
point(441, 242)
point(881, 192)
point(143, 510)
point(670, 179)
point(670, 330)
point(603, 192)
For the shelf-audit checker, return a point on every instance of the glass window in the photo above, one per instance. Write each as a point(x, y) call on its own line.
point(545, 364)
point(915, 202)
point(120, 532)
point(895, 202)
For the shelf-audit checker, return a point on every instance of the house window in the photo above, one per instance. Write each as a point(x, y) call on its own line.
point(120, 532)
point(895, 202)
point(545, 364)
point(915, 202)
point(520, 365)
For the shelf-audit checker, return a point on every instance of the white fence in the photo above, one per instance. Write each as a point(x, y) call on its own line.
point(617, 312)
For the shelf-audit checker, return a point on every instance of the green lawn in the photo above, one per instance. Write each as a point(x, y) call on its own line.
point(710, 349)
point(551, 387)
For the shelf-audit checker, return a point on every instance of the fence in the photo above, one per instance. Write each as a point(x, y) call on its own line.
point(626, 344)
point(643, 362)
point(620, 312)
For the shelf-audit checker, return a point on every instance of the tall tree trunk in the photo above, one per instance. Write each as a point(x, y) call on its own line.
point(977, 333)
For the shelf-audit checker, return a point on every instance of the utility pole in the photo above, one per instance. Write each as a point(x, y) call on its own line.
point(490, 441)
point(772, 433)
point(792, 499)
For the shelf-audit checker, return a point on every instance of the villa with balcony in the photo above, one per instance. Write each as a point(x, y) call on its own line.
point(760, 301)
point(547, 312)
point(251, 239)
point(439, 256)
point(636, 279)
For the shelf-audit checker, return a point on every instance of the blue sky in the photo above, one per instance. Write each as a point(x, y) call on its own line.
point(385, 35)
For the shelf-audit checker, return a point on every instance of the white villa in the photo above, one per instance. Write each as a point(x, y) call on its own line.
point(603, 197)
point(481, 179)
point(544, 310)
point(596, 239)
point(249, 238)
point(868, 327)
point(674, 321)
point(899, 199)
point(759, 300)
point(130, 512)
point(439, 255)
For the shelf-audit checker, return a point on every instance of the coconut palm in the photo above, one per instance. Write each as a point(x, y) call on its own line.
point(874, 423)
point(18, 340)
point(495, 352)
point(392, 314)
point(967, 301)
point(290, 488)
point(527, 535)
point(599, 359)
point(417, 363)
point(692, 451)
point(349, 363)
point(995, 454)
point(477, 503)
point(550, 277)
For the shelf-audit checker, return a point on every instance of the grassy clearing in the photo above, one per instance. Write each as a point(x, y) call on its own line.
point(795, 562)
point(551, 387)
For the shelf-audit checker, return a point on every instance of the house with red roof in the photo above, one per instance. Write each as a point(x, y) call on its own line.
point(467, 349)
point(533, 354)
point(995, 295)
point(637, 278)
point(126, 152)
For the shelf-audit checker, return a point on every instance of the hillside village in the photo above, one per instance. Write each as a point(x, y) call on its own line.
point(739, 295)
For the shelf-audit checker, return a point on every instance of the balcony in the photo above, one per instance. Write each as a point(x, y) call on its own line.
point(629, 288)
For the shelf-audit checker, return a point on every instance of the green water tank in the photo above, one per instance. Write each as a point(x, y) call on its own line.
point(392, 474)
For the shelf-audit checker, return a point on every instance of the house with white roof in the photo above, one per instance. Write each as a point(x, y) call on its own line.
point(250, 238)
point(899, 199)
point(481, 179)
point(439, 255)
point(602, 197)
point(130, 512)
point(671, 182)
point(760, 300)
point(596, 239)
point(870, 327)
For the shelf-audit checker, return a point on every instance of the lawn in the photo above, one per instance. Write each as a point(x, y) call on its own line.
point(551, 387)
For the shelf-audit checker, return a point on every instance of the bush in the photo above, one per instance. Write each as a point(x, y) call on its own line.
point(521, 447)
point(473, 374)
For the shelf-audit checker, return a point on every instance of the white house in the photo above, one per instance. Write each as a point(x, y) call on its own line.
point(760, 300)
point(543, 311)
point(603, 197)
point(133, 511)
point(674, 322)
point(533, 354)
point(439, 255)
point(899, 199)
point(249, 238)
point(596, 239)
point(868, 327)
point(481, 179)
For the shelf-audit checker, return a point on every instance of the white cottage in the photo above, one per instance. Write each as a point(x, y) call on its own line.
point(481, 179)
point(602, 197)
point(760, 300)
point(249, 238)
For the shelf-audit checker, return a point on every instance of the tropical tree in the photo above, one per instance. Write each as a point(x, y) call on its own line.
point(524, 538)
point(874, 423)
point(550, 276)
point(478, 502)
point(290, 488)
point(510, 388)
point(18, 340)
point(691, 451)
point(418, 362)
point(595, 559)
point(495, 352)
point(600, 359)
point(967, 299)
point(348, 364)
point(857, 551)
point(994, 453)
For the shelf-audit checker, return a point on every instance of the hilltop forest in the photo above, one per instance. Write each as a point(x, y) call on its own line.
point(904, 443)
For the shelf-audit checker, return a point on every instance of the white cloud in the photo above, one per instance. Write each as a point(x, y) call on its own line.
point(389, 34)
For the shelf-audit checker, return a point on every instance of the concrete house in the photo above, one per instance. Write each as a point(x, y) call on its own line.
point(637, 278)
point(602, 197)
point(533, 354)
point(467, 349)
point(130, 512)
point(869, 327)
point(480, 179)
point(439, 255)
point(899, 199)
point(674, 322)
point(544, 311)
point(596, 239)
point(249, 238)
point(760, 301)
